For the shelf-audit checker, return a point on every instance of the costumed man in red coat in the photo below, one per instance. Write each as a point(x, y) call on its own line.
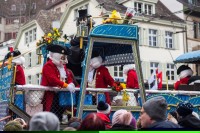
point(55, 74)
point(19, 61)
point(185, 74)
point(132, 79)
point(99, 76)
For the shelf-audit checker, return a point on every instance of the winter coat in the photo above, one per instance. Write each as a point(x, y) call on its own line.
point(164, 124)
point(120, 127)
point(189, 121)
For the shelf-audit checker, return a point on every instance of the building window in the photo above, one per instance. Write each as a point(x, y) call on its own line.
point(169, 39)
point(14, 35)
point(153, 66)
point(26, 38)
point(76, 14)
point(58, 10)
point(192, 2)
point(38, 78)
point(152, 37)
point(118, 73)
point(13, 7)
point(29, 60)
point(148, 9)
point(170, 72)
point(33, 5)
point(23, 7)
point(34, 34)
point(30, 36)
point(8, 36)
point(138, 7)
point(29, 79)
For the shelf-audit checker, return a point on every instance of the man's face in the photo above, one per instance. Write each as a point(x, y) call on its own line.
point(145, 119)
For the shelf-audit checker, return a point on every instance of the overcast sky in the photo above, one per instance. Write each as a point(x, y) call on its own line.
point(173, 6)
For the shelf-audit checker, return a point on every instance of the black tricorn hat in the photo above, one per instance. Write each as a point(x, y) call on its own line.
point(182, 68)
point(59, 49)
point(14, 54)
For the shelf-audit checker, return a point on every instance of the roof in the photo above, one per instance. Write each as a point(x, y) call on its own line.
point(162, 12)
point(45, 18)
point(190, 57)
point(110, 5)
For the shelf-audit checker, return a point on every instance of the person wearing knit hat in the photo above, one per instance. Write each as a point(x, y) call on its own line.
point(172, 116)
point(13, 126)
point(185, 117)
point(103, 111)
point(153, 114)
point(44, 121)
point(123, 120)
point(185, 74)
point(185, 108)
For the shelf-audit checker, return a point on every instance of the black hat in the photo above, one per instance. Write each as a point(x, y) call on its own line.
point(14, 54)
point(182, 68)
point(95, 53)
point(184, 108)
point(59, 49)
point(103, 107)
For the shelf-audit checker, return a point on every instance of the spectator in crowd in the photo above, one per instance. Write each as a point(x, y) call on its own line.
point(13, 126)
point(195, 114)
point(22, 122)
point(92, 122)
point(44, 121)
point(172, 116)
point(153, 114)
point(185, 117)
point(123, 120)
point(103, 111)
point(69, 129)
point(74, 122)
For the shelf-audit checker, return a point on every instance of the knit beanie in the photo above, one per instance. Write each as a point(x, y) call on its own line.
point(13, 126)
point(122, 117)
point(156, 108)
point(44, 121)
point(103, 107)
point(184, 108)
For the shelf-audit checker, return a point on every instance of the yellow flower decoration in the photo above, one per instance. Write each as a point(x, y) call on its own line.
point(125, 96)
point(123, 85)
point(10, 62)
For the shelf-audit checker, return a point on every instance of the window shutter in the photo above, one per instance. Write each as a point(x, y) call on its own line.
point(159, 37)
point(163, 69)
point(146, 36)
point(176, 41)
point(33, 59)
point(162, 39)
point(141, 36)
point(26, 60)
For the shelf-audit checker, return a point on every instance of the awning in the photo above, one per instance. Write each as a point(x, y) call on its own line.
point(190, 57)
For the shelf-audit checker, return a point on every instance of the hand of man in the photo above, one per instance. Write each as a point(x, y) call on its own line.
point(71, 87)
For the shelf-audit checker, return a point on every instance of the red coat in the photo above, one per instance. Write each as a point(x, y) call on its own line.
point(103, 80)
point(51, 77)
point(105, 119)
point(181, 81)
point(132, 80)
point(20, 76)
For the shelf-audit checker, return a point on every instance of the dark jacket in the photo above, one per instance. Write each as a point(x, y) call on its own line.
point(120, 127)
point(164, 124)
point(189, 121)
